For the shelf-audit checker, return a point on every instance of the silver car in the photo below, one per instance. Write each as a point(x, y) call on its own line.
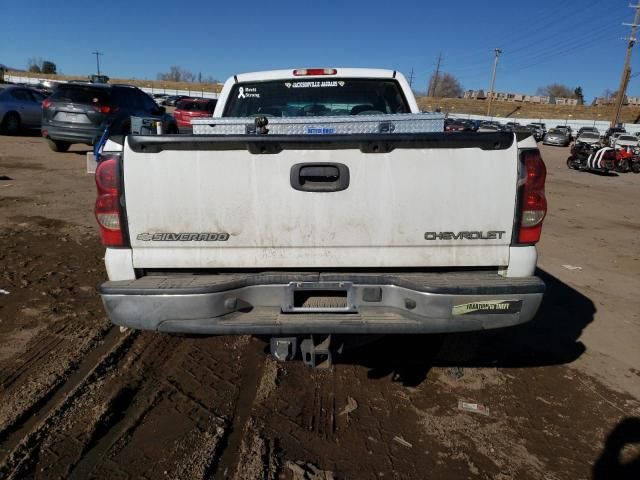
point(20, 108)
point(557, 137)
point(626, 140)
point(589, 137)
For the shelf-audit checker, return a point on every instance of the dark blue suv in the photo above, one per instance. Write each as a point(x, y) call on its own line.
point(79, 112)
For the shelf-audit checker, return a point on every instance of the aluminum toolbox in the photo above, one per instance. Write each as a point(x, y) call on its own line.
point(348, 124)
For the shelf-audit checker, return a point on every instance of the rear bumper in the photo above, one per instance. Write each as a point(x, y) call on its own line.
point(88, 135)
point(261, 304)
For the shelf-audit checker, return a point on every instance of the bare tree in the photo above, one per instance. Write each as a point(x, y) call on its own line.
point(445, 85)
point(34, 64)
point(555, 90)
point(176, 74)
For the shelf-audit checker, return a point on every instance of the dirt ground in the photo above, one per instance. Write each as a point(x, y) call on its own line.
point(82, 399)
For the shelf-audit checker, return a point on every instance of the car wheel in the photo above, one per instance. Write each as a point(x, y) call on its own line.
point(11, 123)
point(58, 146)
point(623, 166)
point(635, 167)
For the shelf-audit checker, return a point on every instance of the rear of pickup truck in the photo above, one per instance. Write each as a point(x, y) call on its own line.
point(287, 235)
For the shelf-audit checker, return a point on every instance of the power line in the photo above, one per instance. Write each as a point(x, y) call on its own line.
point(97, 54)
point(626, 70)
point(497, 51)
point(433, 83)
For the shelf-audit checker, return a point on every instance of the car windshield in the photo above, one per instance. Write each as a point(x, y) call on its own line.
point(628, 137)
point(556, 131)
point(81, 94)
point(317, 96)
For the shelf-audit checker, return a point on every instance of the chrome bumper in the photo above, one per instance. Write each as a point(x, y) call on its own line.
point(373, 303)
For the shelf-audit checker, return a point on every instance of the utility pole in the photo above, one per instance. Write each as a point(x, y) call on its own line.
point(493, 79)
point(431, 90)
point(626, 71)
point(411, 78)
point(97, 54)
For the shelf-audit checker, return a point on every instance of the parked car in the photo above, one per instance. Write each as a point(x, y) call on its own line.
point(542, 126)
point(190, 108)
point(511, 126)
point(20, 108)
point(456, 125)
point(614, 136)
point(626, 140)
point(559, 137)
point(536, 129)
point(612, 131)
point(589, 138)
point(489, 127)
point(171, 100)
point(80, 112)
point(566, 129)
point(159, 98)
point(587, 129)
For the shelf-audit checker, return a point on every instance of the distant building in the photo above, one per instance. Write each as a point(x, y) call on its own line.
point(475, 94)
point(602, 101)
point(566, 101)
point(507, 97)
point(541, 99)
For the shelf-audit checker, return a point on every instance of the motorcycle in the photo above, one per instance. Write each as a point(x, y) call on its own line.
point(592, 156)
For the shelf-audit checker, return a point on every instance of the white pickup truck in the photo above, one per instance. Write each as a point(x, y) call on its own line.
point(313, 235)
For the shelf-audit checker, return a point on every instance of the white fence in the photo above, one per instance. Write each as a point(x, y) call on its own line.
point(168, 91)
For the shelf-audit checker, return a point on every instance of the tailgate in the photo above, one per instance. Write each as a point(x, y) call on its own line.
point(430, 200)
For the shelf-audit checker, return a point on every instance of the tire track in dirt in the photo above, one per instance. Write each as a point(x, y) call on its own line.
point(21, 458)
point(253, 366)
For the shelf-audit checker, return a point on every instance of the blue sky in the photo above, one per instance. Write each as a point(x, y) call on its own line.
point(572, 42)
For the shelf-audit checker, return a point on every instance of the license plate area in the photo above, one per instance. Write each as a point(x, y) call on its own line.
point(319, 297)
point(71, 117)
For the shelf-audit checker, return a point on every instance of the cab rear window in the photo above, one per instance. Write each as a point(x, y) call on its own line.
point(316, 97)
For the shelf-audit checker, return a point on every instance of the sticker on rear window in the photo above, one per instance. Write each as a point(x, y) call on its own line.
point(248, 92)
point(323, 84)
point(492, 307)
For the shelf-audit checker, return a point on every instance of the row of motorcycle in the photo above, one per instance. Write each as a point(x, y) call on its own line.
point(598, 158)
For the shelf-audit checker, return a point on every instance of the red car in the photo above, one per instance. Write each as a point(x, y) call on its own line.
point(189, 108)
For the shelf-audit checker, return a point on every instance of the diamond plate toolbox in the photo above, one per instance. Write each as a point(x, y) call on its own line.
point(339, 125)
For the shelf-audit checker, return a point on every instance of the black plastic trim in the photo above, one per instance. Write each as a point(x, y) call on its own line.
point(369, 143)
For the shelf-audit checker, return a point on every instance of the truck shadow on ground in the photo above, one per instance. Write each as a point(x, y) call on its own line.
point(551, 338)
point(613, 463)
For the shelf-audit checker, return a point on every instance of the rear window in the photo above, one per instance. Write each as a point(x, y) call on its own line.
point(83, 94)
point(316, 97)
point(627, 137)
point(192, 106)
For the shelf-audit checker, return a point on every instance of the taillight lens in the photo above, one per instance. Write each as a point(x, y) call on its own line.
point(302, 72)
point(46, 103)
point(533, 206)
point(108, 209)
point(105, 109)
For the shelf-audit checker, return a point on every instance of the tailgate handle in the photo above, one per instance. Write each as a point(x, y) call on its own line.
point(320, 177)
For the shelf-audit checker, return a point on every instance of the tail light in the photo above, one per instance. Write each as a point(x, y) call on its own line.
point(302, 72)
point(533, 204)
point(108, 209)
point(106, 109)
point(46, 103)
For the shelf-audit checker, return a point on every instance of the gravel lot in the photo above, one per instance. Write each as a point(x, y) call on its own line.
point(82, 399)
